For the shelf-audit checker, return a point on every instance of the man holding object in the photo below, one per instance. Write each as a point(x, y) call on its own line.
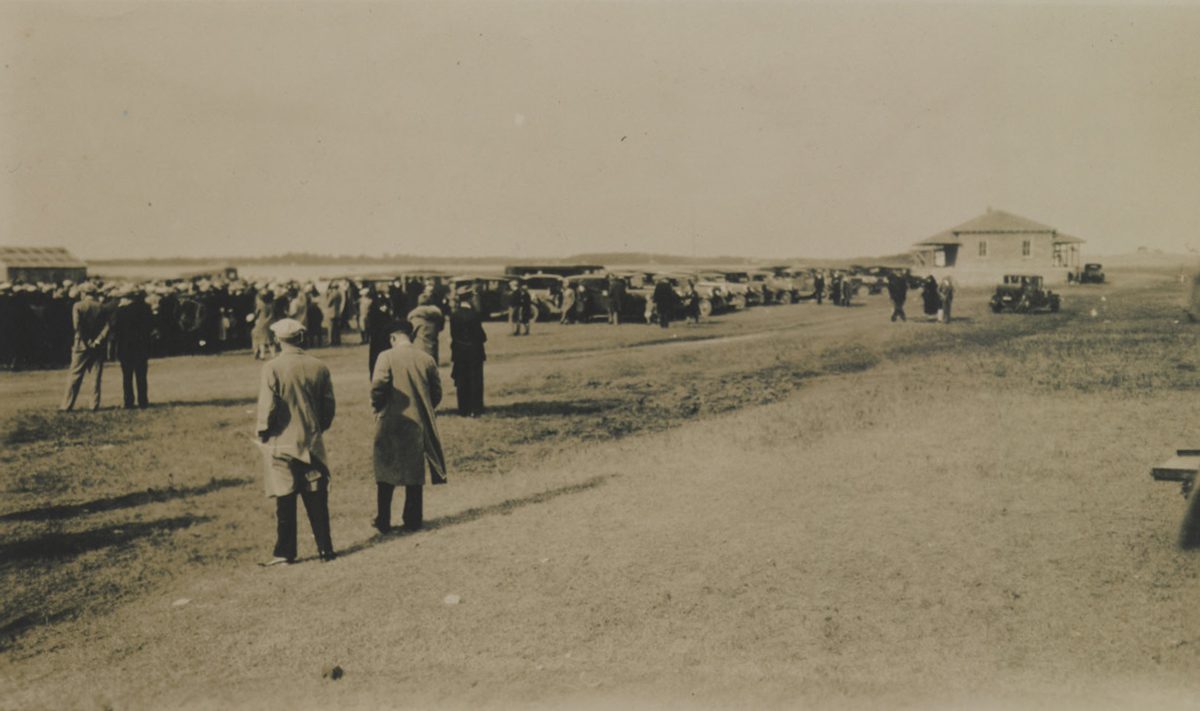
point(295, 406)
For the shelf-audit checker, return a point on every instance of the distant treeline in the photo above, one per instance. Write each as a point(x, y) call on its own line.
point(605, 258)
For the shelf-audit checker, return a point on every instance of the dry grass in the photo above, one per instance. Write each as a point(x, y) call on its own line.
point(918, 514)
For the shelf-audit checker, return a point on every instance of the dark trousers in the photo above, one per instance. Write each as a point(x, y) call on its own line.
point(664, 317)
point(83, 360)
point(414, 506)
point(316, 505)
point(135, 368)
point(468, 383)
point(898, 311)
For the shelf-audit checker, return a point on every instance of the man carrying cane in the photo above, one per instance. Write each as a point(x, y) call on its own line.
point(295, 406)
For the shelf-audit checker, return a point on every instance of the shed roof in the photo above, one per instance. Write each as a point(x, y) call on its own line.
point(996, 222)
point(43, 257)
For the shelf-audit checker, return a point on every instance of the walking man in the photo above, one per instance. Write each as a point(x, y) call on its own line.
point(88, 351)
point(819, 287)
point(132, 327)
point(897, 287)
point(295, 406)
point(467, 355)
point(405, 391)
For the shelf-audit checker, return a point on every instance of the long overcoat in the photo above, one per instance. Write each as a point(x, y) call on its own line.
point(405, 389)
point(295, 406)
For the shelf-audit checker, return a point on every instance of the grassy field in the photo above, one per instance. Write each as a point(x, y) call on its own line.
point(791, 505)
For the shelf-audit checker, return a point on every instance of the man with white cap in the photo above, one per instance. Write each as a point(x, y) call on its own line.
point(295, 406)
point(88, 351)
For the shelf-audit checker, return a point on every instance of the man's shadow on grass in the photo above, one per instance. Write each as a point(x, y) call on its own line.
point(215, 402)
point(138, 498)
point(553, 408)
point(472, 514)
point(52, 546)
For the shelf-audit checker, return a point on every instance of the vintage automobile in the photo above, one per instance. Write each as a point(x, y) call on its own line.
point(873, 279)
point(489, 291)
point(771, 289)
point(547, 293)
point(712, 297)
point(1022, 293)
point(593, 299)
point(1090, 274)
point(734, 292)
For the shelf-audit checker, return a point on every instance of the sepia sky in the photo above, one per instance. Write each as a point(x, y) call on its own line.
point(766, 129)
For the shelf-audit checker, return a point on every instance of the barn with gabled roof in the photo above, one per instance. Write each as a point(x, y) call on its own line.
point(40, 264)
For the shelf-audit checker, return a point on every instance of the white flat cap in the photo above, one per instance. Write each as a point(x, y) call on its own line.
point(287, 329)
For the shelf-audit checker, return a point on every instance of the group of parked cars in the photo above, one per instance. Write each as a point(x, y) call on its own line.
point(717, 291)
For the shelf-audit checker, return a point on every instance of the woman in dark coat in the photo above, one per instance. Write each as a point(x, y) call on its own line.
point(929, 292)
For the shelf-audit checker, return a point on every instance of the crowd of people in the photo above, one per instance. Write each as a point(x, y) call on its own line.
point(86, 325)
point(197, 316)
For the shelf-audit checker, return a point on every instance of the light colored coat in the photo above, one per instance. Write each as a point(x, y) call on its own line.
point(405, 389)
point(295, 406)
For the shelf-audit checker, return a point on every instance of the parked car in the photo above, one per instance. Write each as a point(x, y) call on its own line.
point(1090, 274)
point(734, 293)
point(490, 293)
point(1022, 293)
point(592, 299)
point(712, 297)
point(546, 291)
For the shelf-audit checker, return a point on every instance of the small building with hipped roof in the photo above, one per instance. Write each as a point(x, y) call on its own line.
point(1000, 242)
point(40, 264)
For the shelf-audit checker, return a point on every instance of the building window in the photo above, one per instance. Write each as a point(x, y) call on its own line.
point(983, 247)
point(1026, 248)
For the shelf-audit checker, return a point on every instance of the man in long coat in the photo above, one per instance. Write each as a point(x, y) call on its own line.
point(295, 406)
point(405, 391)
point(132, 327)
point(427, 321)
point(89, 350)
point(664, 298)
point(467, 354)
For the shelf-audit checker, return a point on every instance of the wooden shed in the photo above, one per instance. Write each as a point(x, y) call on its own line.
point(40, 264)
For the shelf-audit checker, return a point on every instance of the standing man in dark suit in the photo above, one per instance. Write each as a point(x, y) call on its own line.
point(616, 298)
point(88, 352)
point(467, 355)
point(132, 326)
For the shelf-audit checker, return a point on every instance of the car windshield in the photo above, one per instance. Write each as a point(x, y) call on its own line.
point(737, 277)
point(542, 282)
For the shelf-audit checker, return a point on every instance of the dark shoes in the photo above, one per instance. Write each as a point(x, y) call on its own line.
point(327, 556)
point(382, 527)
